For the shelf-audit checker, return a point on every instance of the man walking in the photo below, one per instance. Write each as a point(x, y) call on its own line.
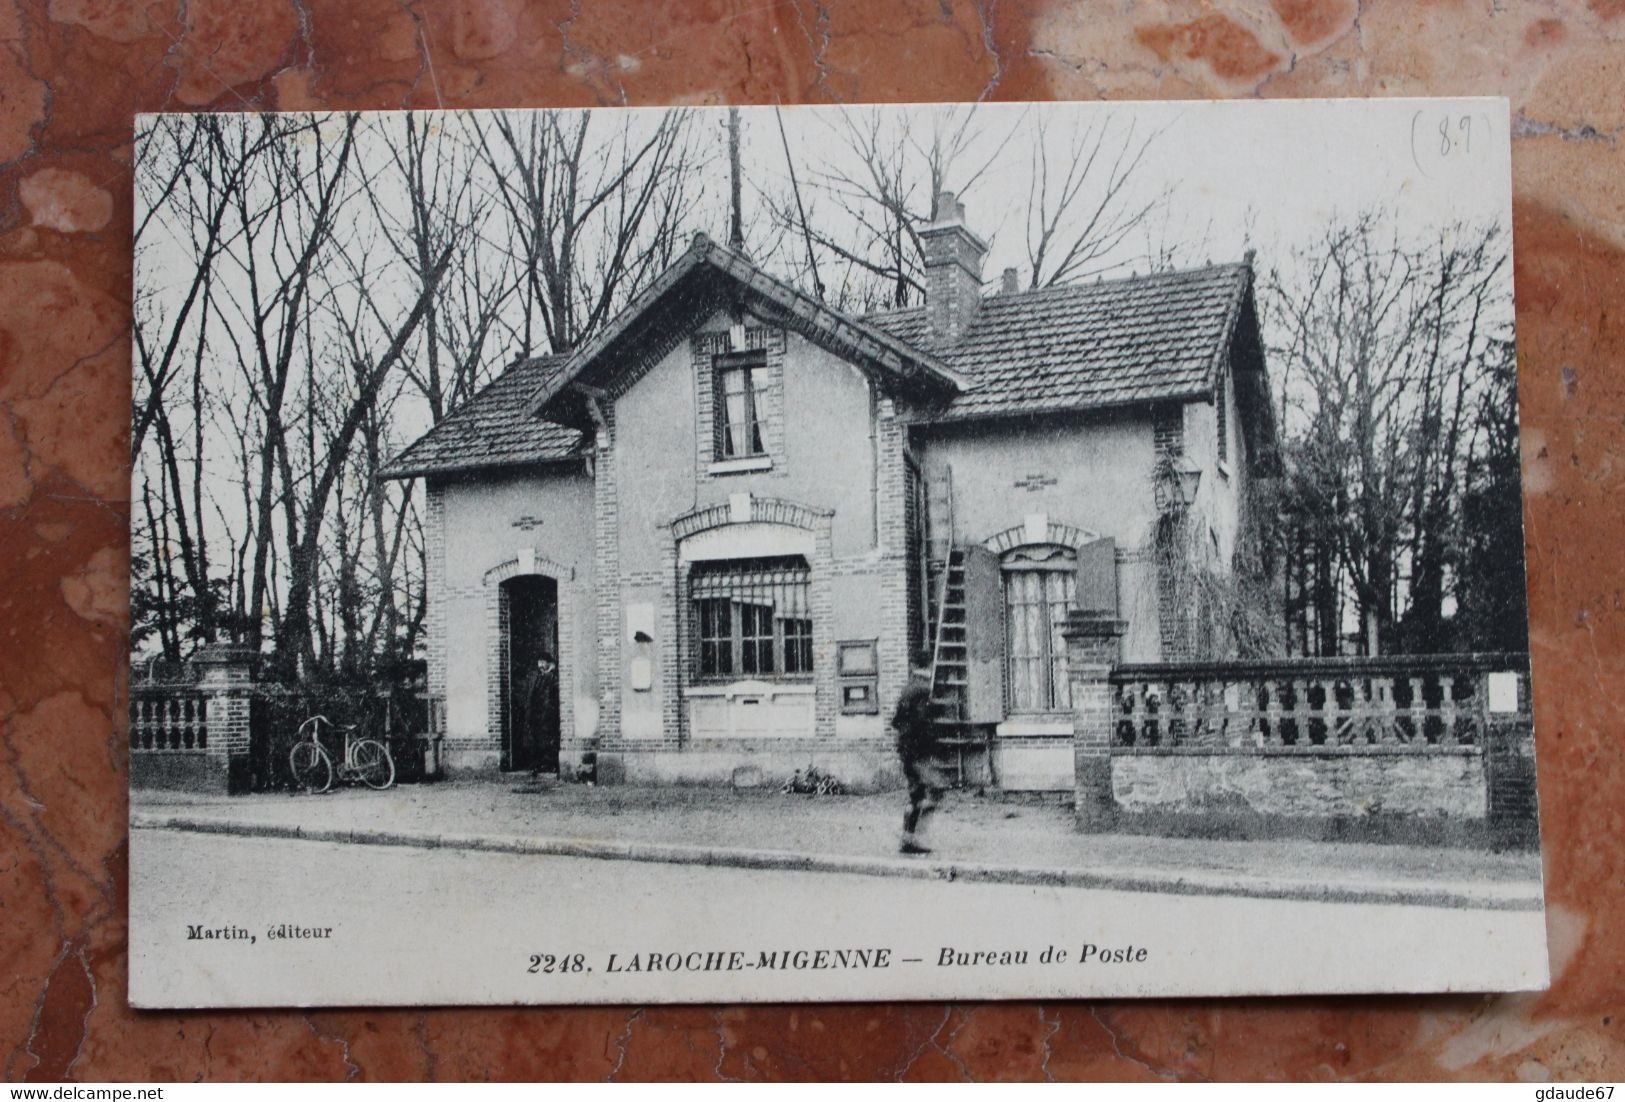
point(916, 745)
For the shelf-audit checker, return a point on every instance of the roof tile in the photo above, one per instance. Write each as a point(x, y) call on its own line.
point(1081, 346)
point(492, 429)
point(1144, 338)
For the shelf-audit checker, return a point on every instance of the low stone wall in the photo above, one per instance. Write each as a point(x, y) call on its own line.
point(1401, 747)
point(190, 729)
point(1286, 789)
point(189, 770)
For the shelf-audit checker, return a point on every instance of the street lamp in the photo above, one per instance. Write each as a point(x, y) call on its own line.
point(1176, 488)
point(1190, 478)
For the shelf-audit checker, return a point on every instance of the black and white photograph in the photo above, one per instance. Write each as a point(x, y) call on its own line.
point(828, 553)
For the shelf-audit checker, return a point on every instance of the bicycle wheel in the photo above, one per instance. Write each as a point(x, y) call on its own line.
point(373, 765)
point(310, 767)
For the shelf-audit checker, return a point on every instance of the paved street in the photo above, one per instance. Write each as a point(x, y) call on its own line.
point(968, 829)
point(441, 926)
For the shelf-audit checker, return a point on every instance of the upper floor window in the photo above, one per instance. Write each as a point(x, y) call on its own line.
point(741, 382)
point(751, 618)
point(1221, 401)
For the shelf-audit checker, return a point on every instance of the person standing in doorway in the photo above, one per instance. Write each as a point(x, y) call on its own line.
point(917, 746)
point(541, 710)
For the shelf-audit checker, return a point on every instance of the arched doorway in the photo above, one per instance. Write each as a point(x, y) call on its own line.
point(529, 619)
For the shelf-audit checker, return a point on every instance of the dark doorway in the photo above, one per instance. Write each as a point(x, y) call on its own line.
point(531, 625)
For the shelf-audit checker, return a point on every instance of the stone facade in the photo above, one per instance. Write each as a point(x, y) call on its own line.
point(853, 474)
point(1080, 479)
point(851, 508)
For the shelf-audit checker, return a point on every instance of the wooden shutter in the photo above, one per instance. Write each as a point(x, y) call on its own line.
point(939, 514)
point(1097, 577)
point(984, 632)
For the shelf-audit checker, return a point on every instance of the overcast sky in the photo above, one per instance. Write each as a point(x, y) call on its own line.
point(1280, 169)
point(1269, 174)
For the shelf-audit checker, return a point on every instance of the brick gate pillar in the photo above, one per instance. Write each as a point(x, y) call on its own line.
point(226, 681)
point(1091, 652)
point(1509, 765)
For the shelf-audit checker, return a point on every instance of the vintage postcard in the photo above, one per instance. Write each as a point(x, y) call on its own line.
point(863, 552)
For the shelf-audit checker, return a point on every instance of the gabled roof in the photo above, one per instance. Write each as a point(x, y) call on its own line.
point(708, 274)
point(492, 429)
point(1088, 346)
point(1119, 342)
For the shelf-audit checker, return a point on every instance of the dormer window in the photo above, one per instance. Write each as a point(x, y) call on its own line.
point(741, 385)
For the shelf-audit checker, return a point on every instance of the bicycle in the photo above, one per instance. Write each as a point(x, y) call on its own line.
point(365, 759)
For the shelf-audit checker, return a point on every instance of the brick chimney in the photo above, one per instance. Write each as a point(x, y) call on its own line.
point(953, 271)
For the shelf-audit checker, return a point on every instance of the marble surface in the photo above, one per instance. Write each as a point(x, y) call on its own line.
point(72, 73)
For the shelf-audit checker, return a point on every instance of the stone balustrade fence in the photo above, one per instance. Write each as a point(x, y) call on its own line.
point(1423, 748)
point(1412, 702)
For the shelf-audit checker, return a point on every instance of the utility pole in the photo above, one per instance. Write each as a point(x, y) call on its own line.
point(801, 211)
point(736, 222)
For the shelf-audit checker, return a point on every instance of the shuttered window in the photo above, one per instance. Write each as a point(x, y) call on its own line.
point(1040, 589)
point(751, 618)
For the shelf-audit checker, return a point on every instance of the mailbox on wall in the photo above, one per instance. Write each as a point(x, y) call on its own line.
point(857, 668)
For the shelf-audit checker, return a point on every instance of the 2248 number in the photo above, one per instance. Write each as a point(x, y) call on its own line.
point(548, 964)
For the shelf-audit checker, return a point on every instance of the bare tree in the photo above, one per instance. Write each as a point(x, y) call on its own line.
point(333, 284)
point(863, 210)
point(305, 187)
point(369, 366)
point(186, 190)
point(193, 205)
point(1492, 602)
point(865, 207)
point(191, 173)
point(1383, 346)
point(593, 213)
point(1081, 207)
point(1462, 327)
point(433, 197)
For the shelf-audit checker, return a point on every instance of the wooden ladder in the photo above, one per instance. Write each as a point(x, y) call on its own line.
point(950, 660)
